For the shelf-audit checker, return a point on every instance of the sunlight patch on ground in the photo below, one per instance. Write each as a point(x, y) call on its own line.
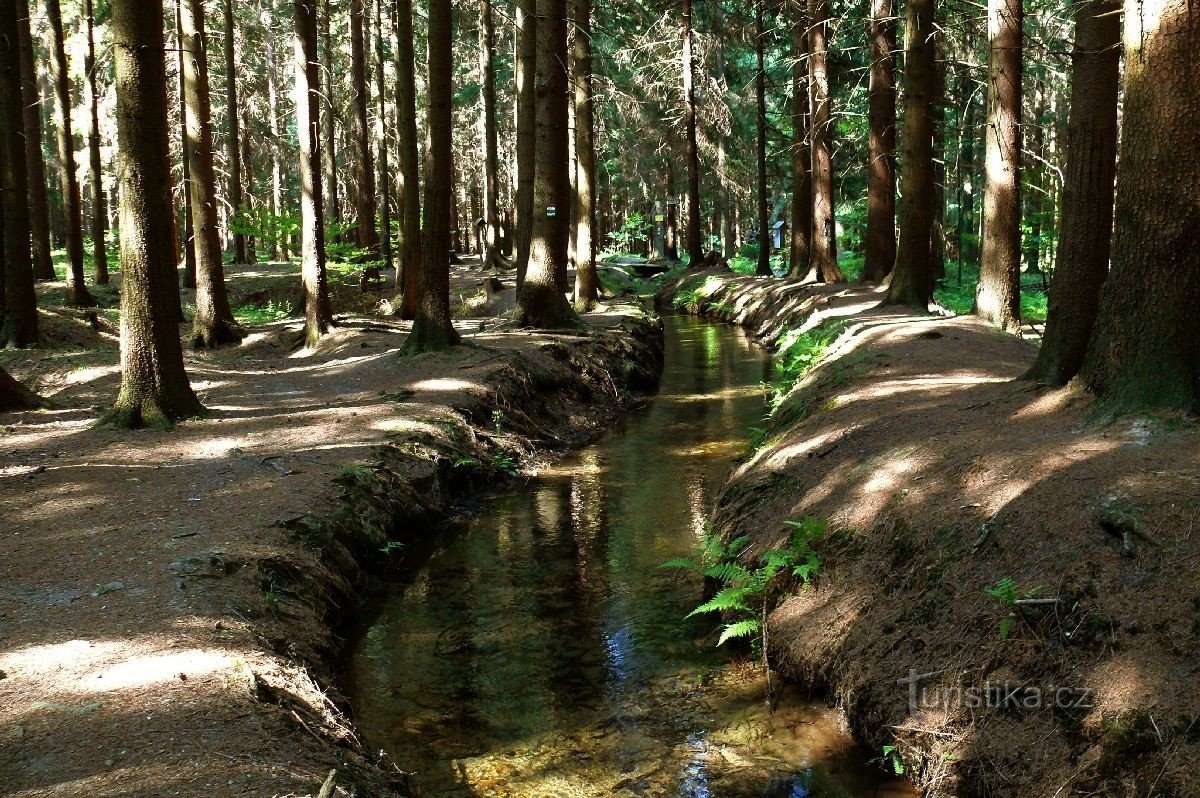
point(444, 385)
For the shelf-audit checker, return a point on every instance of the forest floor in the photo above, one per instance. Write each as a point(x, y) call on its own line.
point(170, 600)
point(1008, 600)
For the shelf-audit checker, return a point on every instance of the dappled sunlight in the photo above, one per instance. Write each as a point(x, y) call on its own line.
point(443, 385)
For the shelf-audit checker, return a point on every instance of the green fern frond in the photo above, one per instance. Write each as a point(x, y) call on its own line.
point(745, 628)
point(728, 573)
point(731, 598)
point(681, 564)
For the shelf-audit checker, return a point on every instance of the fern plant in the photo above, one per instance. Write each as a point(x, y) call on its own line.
point(1006, 592)
point(742, 596)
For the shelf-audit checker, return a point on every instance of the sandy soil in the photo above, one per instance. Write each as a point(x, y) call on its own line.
point(941, 473)
point(169, 600)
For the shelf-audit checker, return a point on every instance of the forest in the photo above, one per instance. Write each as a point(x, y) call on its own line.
point(556, 398)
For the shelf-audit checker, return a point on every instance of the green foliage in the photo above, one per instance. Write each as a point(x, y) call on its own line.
point(890, 760)
point(799, 351)
point(267, 228)
point(958, 296)
point(634, 230)
point(391, 547)
point(264, 313)
point(504, 463)
point(1007, 592)
point(744, 593)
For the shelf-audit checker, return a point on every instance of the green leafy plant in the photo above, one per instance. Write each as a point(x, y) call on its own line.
point(502, 462)
point(632, 231)
point(743, 595)
point(890, 760)
point(1007, 592)
point(799, 351)
point(391, 547)
point(264, 313)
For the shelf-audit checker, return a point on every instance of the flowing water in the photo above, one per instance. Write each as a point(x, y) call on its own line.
point(540, 651)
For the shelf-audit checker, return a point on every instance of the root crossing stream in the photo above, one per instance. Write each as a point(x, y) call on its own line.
point(540, 651)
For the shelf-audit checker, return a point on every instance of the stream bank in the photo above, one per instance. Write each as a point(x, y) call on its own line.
point(181, 638)
point(1008, 596)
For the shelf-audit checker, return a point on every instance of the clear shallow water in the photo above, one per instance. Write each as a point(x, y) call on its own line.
point(541, 652)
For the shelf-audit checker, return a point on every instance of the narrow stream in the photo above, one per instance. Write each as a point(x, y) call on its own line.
point(541, 652)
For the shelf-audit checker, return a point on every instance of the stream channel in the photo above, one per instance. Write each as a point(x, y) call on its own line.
point(541, 652)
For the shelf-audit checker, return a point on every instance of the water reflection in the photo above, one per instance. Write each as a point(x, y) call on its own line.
point(542, 653)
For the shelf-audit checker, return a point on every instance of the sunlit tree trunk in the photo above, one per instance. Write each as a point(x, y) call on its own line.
point(433, 329)
point(385, 178)
point(318, 313)
point(724, 222)
point(912, 278)
point(1145, 352)
point(248, 170)
point(880, 244)
point(154, 387)
point(801, 223)
point(185, 145)
point(214, 324)
point(77, 293)
point(586, 281)
point(763, 199)
point(541, 301)
point(693, 239)
point(329, 166)
point(280, 239)
point(998, 298)
point(364, 168)
point(96, 175)
point(20, 315)
point(233, 138)
point(39, 206)
point(1085, 231)
point(409, 272)
point(487, 124)
point(823, 252)
point(526, 68)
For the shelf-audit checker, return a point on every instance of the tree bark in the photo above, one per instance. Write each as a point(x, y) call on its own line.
point(487, 129)
point(318, 313)
point(189, 238)
point(364, 168)
point(385, 178)
point(39, 205)
point(96, 175)
point(214, 325)
point(723, 212)
point(154, 386)
point(912, 277)
point(526, 77)
point(233, 140)
point(333, 209)
point(1145, 352)
point(693, 239)
point(880, 244)
point(409, 272)
point(1085, 232)
point(77, 293)
point(998, 297)
point(279, 243)
point(763, 268)
point(801, 232)
point(823, 253)
point(247, 159)
point(541, 302)
point(20, 314)
point(15, 396)
point(432, 328)
point(586, 281)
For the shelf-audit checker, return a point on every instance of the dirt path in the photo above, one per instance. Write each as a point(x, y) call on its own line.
point(942, 475)
point(168, 600)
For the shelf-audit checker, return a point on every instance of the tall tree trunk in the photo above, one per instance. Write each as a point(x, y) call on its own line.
point(998, 298)
point(279, 238)
point(96, 176)
point(247, 159)
point(823, 253)
point(385, 177)
point(154, 385)
point(364, 168)
point(760, 93)
point(233, 137)
point(333, 208)
point(526, 69)
point(880, 245)
point(15, 396)
point(912, 277)
point(433, 329)
point(694, 241)
point(724, 212)
point(487, 129)
point(1145, 352)
point(1087, 216)
point(937, 241)
point(409, 272)
point(214, 324)
point(586, 280)
point(801, 232)
point(318, 313)
point(185, 145)
point(39, 205)
point(20, 315)
point(541, 302)
point(77, 293)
